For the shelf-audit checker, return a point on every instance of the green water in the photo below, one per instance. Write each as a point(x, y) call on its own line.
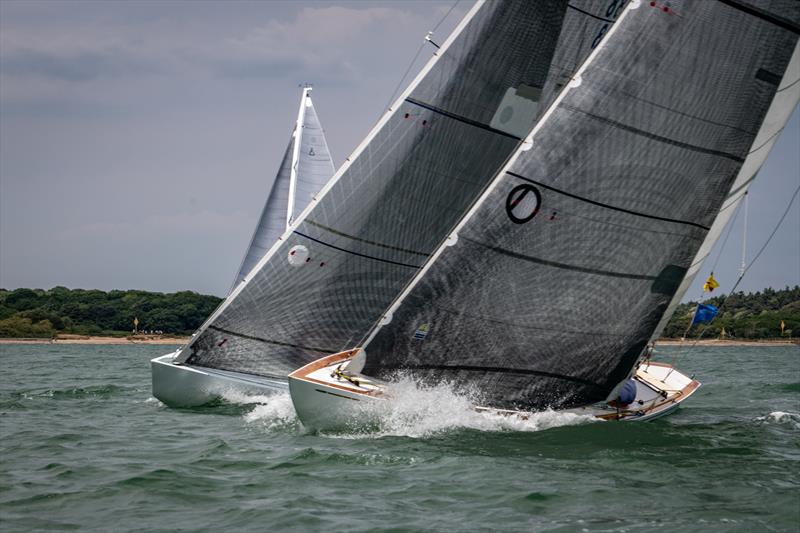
point(85, 447)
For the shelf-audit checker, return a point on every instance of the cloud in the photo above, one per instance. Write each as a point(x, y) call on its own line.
point(316, 39)
point(320, 42)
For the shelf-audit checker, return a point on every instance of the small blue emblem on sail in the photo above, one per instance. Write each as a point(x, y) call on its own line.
point(704, 313)
point(421, 332)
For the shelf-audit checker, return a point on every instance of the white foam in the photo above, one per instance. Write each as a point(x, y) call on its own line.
point(239, 397)
point(274, 411)
point(781, 417)
point(418, 411)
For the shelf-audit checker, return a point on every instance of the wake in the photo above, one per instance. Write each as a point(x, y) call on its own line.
point(414, 411)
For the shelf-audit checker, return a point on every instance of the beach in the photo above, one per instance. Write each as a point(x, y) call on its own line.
point(89, 339)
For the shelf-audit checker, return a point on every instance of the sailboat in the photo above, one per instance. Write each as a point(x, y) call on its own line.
point(367, 233)
point(552, 286)
point(305, 168)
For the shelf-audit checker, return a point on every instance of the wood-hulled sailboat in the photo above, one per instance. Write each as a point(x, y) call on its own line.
point(551, 286)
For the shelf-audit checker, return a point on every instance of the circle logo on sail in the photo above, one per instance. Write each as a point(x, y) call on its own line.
point(523, 203)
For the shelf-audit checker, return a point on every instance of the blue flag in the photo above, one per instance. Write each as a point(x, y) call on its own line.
point(704, 313)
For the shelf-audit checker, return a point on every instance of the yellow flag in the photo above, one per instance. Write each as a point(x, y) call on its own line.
point(710, 284)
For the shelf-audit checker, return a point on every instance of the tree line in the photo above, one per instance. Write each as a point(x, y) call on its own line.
point(754, 315)
point(44, 313)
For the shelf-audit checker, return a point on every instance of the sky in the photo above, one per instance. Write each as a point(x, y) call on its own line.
point(138, 140)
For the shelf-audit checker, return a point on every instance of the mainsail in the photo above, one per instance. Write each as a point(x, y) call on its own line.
point(306, 167)
point(349, 254)
point(547, 292)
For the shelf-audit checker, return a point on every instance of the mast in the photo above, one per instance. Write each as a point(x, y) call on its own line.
point(298, 135)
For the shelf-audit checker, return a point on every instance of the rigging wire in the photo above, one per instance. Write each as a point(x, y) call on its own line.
point(425, 41)
point(741, 276)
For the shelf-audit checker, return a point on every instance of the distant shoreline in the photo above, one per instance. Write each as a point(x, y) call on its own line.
point(729, 342)
point(89, 339)
point(162, 339)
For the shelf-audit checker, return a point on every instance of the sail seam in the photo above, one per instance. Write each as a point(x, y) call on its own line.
point(659, 138)
point(687, 115)
point(565, 266)
point(778, 21)
point(366, 241)
point(496, 369)
point(268, 341)
point(607, 206)
point(459, 118)
point(356, 253)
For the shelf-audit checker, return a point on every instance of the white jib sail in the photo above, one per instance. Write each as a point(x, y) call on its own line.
point(306, 167)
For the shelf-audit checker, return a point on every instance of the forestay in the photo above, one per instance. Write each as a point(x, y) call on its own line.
point(305, 168)
point(547, 292)
point(348, 256)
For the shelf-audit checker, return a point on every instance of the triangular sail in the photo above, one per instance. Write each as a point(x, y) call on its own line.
point(272, 221)
point(547, 292)
point(313, 163)
point(306, 167)
point(373, 226)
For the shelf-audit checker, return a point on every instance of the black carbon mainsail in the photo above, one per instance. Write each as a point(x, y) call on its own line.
point(549, 289)
point(394, 201)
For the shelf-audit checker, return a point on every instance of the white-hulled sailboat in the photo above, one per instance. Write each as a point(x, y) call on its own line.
point(549, 290)
point(304, 170)
point(359, 242)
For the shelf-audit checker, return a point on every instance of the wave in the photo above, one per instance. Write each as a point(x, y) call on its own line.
point(97, 391)
point(782, 418)
point(415, 411)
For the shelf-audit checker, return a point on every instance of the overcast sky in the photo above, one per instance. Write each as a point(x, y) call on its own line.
point(138, 139)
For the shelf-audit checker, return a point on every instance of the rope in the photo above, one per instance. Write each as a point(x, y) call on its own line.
point(741, 276)
point(419, 51)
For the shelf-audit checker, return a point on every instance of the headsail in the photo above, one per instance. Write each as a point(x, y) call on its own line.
point(304, 170)
point(547, 292)
point(349, 255)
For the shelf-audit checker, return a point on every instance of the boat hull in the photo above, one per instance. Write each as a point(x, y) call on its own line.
point(326, 397)
point(189, 386)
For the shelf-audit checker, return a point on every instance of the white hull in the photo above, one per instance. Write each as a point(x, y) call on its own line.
point(326, 396)
point(189, 386)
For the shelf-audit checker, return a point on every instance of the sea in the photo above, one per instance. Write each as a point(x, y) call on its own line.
point(84, 446)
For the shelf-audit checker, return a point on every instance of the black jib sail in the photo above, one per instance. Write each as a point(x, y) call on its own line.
point(347, 257)
point(547, 292)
